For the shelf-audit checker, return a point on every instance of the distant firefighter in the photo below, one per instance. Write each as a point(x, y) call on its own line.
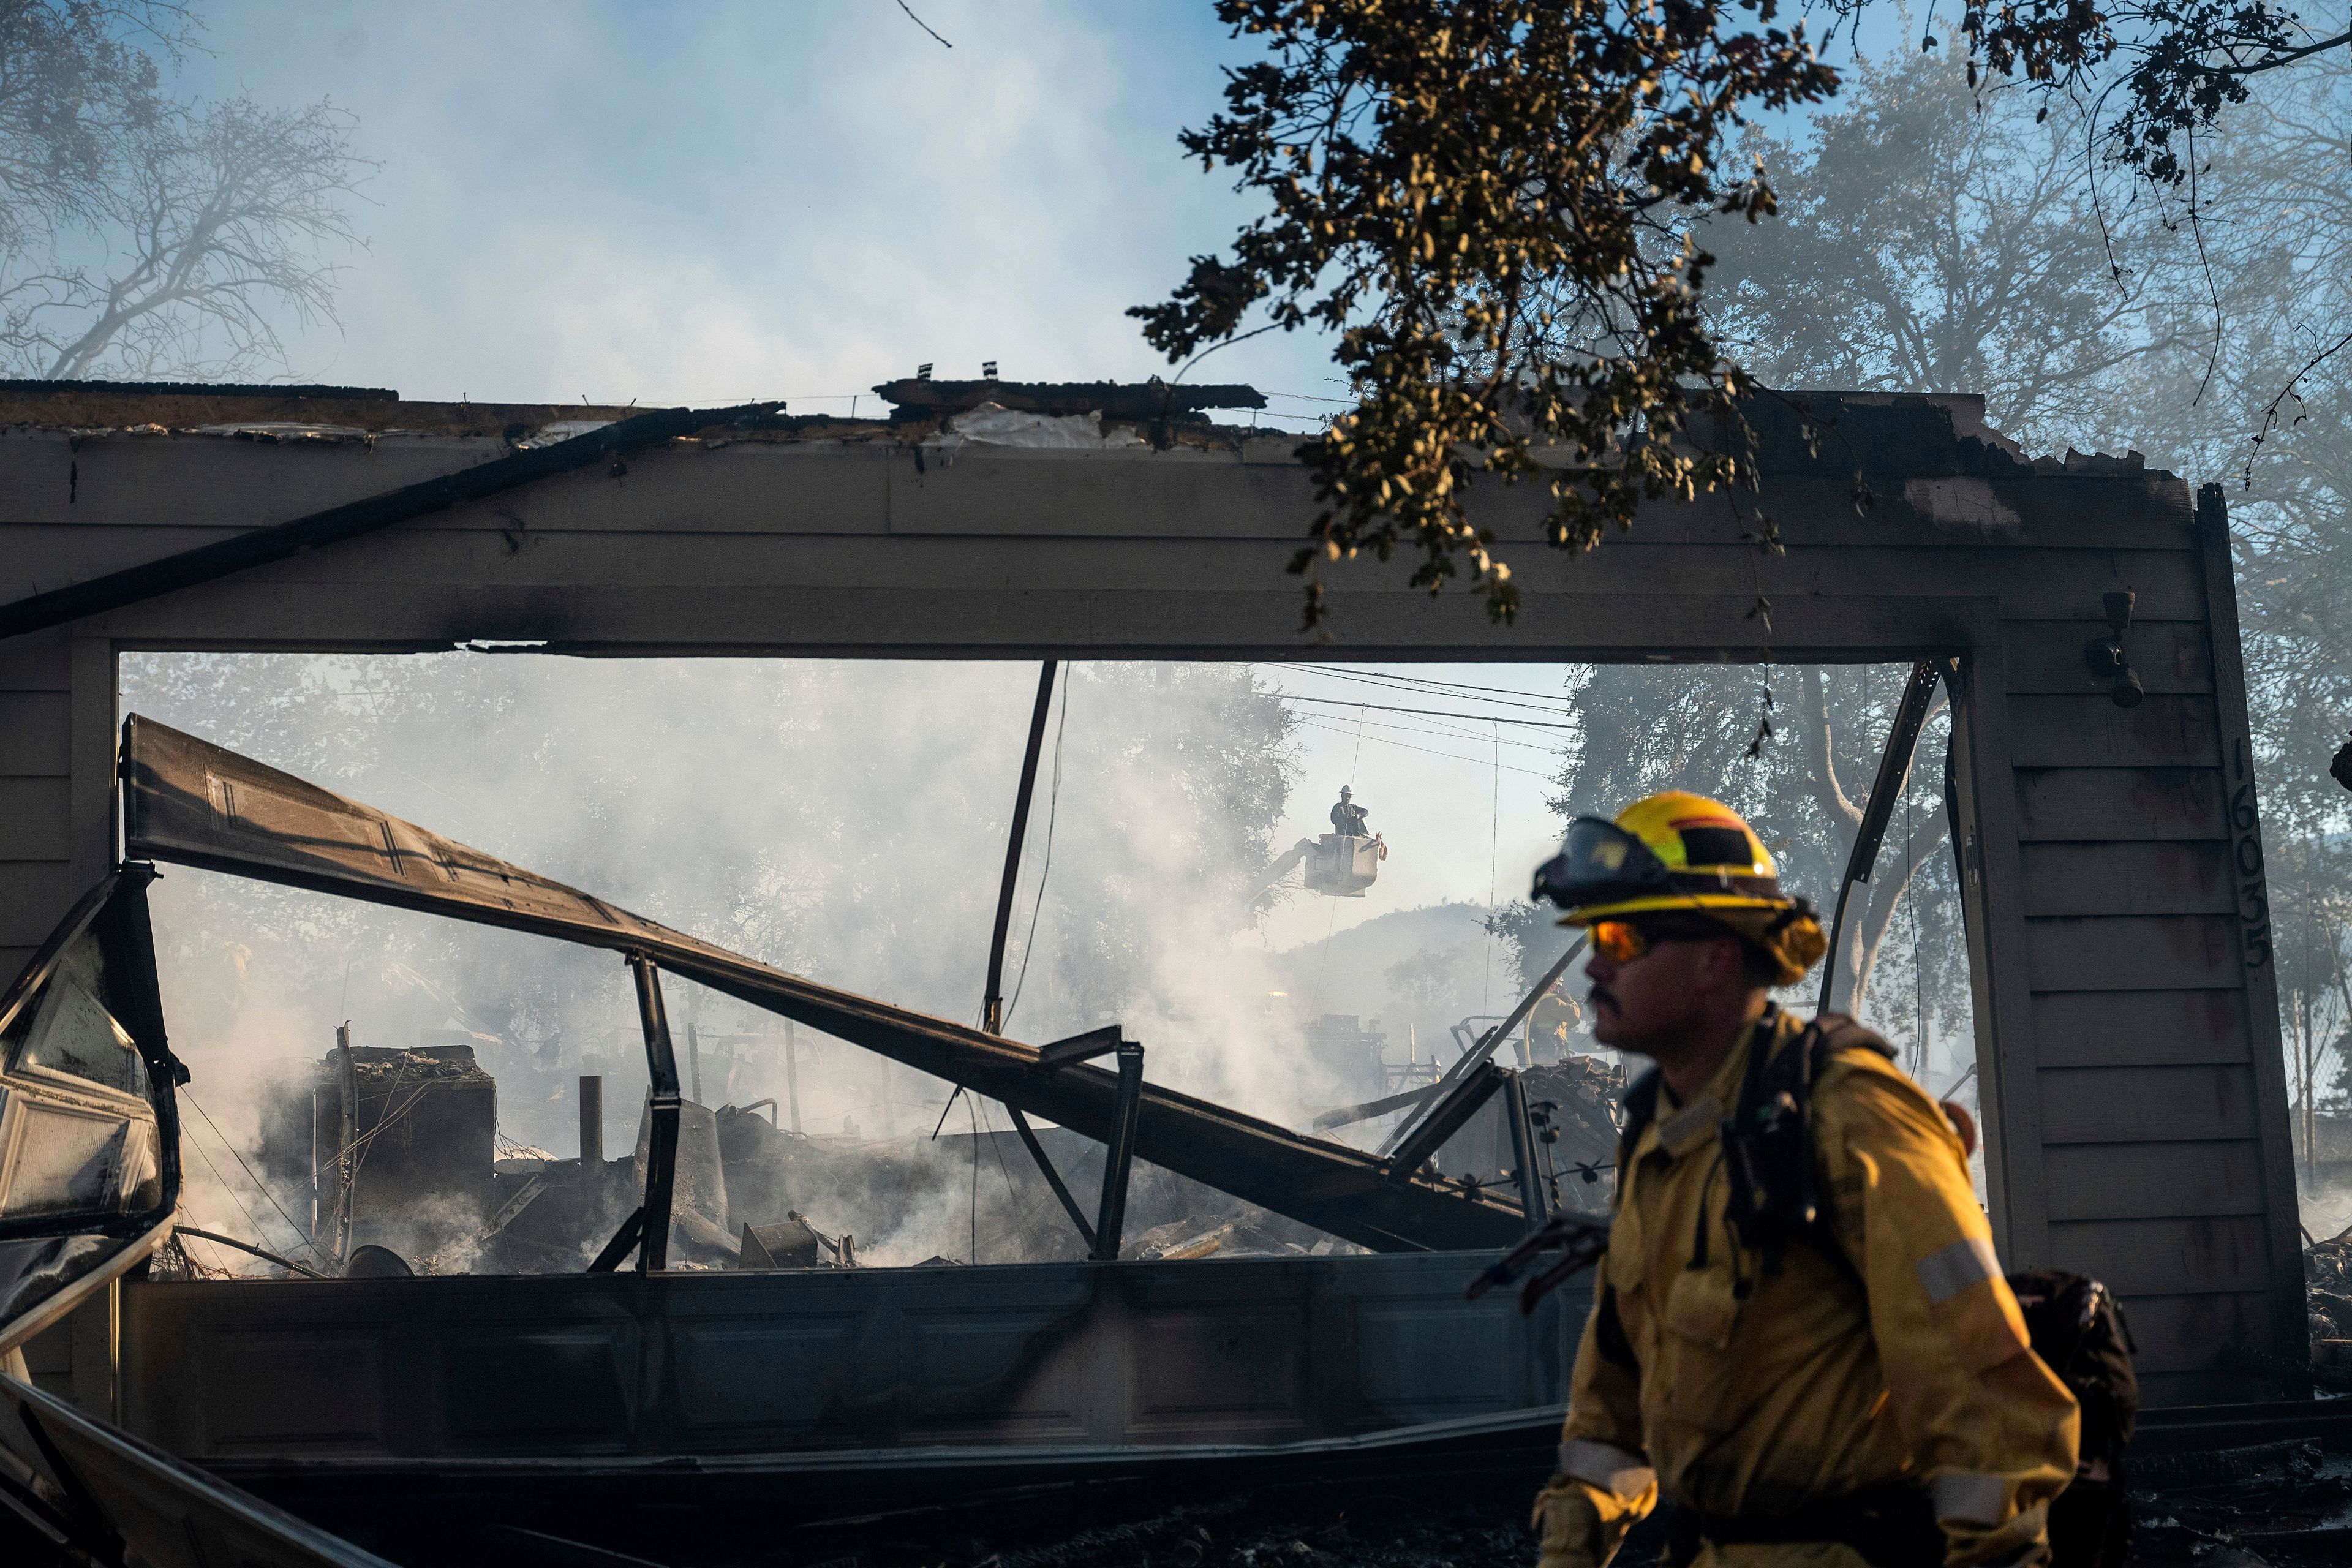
point(1551, 1022)
point(1349, 821)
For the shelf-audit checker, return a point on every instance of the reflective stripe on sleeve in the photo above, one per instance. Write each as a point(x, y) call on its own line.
point(1948, 1270)
point(1973, 1497)
point(1598, 1464)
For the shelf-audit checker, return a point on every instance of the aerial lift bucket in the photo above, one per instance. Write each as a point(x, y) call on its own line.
point(1343, 865)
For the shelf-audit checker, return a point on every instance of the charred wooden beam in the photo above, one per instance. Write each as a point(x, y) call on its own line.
point(1118, 1153)
point(1081, 1047)
point(1445, 1120)
point(661, 1113)
point(1053, 1177)
point(279, 541)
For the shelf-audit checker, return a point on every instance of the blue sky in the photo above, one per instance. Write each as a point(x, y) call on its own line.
point(723, 201)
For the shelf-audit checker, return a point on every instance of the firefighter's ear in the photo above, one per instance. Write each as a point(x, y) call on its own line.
point(1963, 1123)
point(1727, 961)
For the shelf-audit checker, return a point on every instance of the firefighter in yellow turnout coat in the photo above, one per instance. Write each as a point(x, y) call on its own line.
point(1859, 1390)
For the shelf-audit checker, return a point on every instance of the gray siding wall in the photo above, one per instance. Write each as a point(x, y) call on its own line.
point(2127, 1028)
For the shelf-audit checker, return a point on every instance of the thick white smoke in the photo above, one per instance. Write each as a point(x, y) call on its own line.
point(845, 821)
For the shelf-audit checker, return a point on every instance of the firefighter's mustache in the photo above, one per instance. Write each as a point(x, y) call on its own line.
point(1600, 997)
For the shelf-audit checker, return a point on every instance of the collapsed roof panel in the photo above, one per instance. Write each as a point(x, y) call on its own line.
point(188, 801)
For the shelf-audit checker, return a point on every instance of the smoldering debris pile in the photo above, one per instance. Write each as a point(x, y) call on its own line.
point(415, 1167)
point(2265, 1503)
point(1246, 1232)
point(1574, 1103)
point(2328, 1281)
point(413, 1151)
point(1250, 1533)
point(905, 1198)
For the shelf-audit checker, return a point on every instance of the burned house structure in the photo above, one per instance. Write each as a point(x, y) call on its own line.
point(420, 1124)
point(2135, 1102)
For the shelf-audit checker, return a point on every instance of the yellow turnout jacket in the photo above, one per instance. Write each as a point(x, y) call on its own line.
point(1722, 1388)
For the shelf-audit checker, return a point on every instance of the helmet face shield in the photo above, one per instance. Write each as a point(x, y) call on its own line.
point(1600, 863)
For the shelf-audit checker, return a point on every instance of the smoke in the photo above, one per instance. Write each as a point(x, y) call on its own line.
point(845, 821)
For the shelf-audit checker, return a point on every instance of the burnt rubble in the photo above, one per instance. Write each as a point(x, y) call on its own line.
point(2327, 1282)
point(1573, 1104)
point(747, 1193)
point(423, 1134)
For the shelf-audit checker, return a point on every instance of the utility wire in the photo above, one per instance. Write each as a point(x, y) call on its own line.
point(1011, 1196)
point(1511, 697)
point(1465, 731)
point(256, 1180)
point(363, 1141)
point(1442, 731)
point(1431, 713)
point(1506, 696)
point(233, 1198)
point(1426, 750)
point(1442, 696)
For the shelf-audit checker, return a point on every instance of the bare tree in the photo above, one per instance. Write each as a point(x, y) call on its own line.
point(74, 81)
point(1866, 925)
point(149, 237)
point(1932, 236)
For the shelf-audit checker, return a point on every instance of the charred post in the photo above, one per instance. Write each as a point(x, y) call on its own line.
point(592, 1126)
point(662, 1116)
point(1118, 1153)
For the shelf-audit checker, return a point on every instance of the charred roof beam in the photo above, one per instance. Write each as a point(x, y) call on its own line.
point(283, 541)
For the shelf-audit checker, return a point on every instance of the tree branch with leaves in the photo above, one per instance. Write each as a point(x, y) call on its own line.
point(1499, 209)
point(1488, 202)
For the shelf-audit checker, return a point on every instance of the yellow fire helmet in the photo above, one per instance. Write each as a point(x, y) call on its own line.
point(1679, 852)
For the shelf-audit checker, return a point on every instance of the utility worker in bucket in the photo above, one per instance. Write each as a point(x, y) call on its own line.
point(1802, 1340)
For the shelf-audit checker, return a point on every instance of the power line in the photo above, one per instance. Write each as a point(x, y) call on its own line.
point(1427, 751)
point(226, 1188)
point(1381, 732)
point(1406, 689)
point(1470, 688)
point(256, 1180)
point(1450, 733)
point(1456, 731)
point(1535, 701)
point(1431, 713)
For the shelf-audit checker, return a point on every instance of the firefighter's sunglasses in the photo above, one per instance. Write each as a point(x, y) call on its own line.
point(1618, 941)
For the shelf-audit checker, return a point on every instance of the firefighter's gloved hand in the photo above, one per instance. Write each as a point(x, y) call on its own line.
point(1568, 1526)
point(1580, 1525)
